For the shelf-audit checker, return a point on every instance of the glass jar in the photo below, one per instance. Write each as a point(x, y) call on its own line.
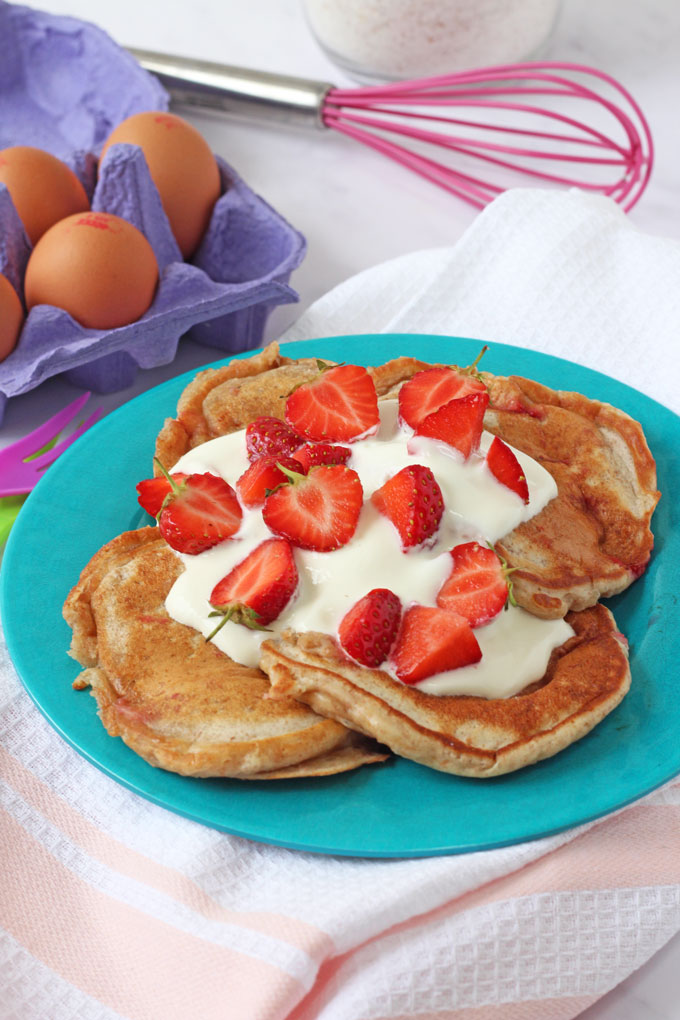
point(388, 40)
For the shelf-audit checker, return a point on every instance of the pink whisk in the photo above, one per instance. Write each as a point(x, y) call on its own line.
point(496, 126)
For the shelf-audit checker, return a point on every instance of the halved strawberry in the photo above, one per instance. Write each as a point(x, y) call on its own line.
point(199, 512)
point(504, 466)
point(151, 492)
point(368, 630)
point(427, 391)
point(313, 454)
point(458, 423)
point(258, 588)
point(262, 475)
point(270, 437)
point(477, 587)
point(433, 640)
point(317, 511)
point(339, 405)
point(413, 502)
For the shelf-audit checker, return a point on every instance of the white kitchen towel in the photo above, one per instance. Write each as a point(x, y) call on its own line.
point(565, 273)
point(112, 907)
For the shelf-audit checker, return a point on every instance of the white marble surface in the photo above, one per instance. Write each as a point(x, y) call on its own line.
point(356, 209)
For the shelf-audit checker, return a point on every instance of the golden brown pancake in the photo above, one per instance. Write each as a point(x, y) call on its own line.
point(594, 539)
point(185, 706)
point(590, 542)
point(469, 736)
point(174, 698)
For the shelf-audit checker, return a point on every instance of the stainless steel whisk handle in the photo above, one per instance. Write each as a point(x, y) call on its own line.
point(238, 91)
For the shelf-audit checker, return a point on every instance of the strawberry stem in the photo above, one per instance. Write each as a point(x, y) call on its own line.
point(479, 357)
point(511, 600)
point(472, 369)
point(176, 489)
point(239, 613)
point(225, 616)
point(293, 476)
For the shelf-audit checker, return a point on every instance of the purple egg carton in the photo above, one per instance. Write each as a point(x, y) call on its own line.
point(64, 85)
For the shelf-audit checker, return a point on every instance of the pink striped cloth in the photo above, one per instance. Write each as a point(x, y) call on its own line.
point(111, 907)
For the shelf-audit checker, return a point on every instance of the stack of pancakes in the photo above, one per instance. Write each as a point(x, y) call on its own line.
point(185, 706)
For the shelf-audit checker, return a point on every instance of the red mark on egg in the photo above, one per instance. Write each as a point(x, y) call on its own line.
point(100, 221)
point(167, 122)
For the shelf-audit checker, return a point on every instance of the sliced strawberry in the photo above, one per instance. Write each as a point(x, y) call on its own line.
point(152, 491)
point(317, 511)
point(458, 423)
point(258, 588)
point(200, 512)
point(413, 502)
point(339, 405)
point(430, 389)
point(368, 630)
point(270, 437)
point(504, 466)
point(433, 640)
point(262, 475)
point(313, 454)
point(477, 587)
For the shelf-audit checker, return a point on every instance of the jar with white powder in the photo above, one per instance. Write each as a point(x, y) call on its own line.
point(387, 40)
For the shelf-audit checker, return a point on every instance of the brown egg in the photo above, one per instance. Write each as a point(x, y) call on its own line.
point(11, 317)
point(43, 189)
point(97, 267)
point(182, 167)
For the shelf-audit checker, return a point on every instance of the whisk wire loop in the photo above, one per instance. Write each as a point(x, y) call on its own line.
point(451, 141)
point(508, 90)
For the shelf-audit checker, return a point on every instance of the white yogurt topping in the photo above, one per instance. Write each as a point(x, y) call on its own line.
point(515, 645)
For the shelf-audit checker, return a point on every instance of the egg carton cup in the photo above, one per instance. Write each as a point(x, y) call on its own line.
point(221, 298)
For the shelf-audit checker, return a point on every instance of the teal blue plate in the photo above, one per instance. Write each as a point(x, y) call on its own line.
point(397, 809)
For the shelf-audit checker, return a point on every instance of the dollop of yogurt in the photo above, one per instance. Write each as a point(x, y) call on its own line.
point(515, 645)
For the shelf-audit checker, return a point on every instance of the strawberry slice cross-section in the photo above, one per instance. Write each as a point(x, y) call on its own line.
point(199, 512)
point(427, 391)
point(458, 423)
point(261, 476)
point(258, 588)
point(433, 640)
point(318, 511)
point(151, 492)
point(340, 405)
point(477, 587)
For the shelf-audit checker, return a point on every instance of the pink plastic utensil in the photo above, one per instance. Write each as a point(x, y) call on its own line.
point(474, 133)
point(18, 473)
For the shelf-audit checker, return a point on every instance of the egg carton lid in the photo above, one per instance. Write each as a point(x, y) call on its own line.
point(65, 83)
